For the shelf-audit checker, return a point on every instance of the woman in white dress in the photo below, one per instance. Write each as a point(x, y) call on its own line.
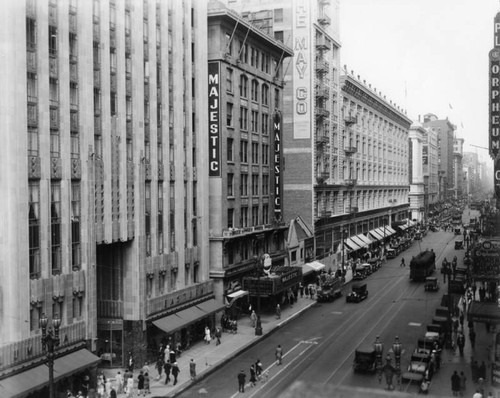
point(208, 336)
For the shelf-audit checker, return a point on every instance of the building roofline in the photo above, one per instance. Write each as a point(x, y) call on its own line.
point(218, 10)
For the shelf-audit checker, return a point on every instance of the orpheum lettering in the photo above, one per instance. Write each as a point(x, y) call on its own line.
point(277, 166)
point(213, 119)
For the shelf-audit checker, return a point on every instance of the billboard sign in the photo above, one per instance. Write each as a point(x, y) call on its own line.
point(214, 119)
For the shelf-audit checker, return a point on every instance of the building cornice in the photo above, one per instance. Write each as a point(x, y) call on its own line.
point(359, 91)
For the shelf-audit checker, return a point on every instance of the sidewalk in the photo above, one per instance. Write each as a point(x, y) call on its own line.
point(209, 357)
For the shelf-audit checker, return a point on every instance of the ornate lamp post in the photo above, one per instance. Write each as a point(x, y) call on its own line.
point(379, 348)
point(258, 267)
point(50, 340)
point(397, 347)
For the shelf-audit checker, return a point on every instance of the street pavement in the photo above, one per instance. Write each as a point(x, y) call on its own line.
point(209, 357)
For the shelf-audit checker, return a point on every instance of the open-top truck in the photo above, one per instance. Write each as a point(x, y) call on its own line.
point(329, 287)
point(422, 265)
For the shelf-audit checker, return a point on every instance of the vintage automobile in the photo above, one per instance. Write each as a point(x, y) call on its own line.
point(419, 363)
point(418, 236)
point(431, 284)
point(357, 294)
point(375, 263)
point(425, 346)
point(373, 266)
point(362, 271)
point(459, 244)
point(391, 253)
point(329, 288)
point(458, 231)
point(365, 359)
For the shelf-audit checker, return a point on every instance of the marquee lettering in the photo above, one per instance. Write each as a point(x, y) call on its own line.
point(213, 120)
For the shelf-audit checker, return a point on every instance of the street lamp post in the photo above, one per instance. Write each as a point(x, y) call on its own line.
point(258, 324)
point(50, 340)
point(379, 348)
point(397, 347)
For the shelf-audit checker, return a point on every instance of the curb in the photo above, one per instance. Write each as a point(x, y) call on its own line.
point(235, 353)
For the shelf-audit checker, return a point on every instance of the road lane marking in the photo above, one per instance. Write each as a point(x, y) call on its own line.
point(414, 324)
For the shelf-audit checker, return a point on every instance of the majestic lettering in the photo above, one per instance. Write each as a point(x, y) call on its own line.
point(213, 120)
point(277, 166)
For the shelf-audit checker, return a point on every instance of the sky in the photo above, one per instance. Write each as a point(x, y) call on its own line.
point(427, 56)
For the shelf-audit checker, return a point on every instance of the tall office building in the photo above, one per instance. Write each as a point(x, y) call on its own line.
point(417, 186)
point(458, 177)
point(245, 157)
point(430, 168)
point(102, 179)
point(445, 130)
point(311, 93)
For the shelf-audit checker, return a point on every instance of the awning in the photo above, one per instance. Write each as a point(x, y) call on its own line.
point(187, 316)
point(36, 378)
point(359, 241)
point(390, 229)
point(484, 312)
point(374, 233)
point(365, 239)
point(351, 244)
point(403, 227)
point(237, 294)
point(210, 306)
point(311, 267)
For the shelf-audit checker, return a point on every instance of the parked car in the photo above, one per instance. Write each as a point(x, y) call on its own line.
point(375, 263)
point(357, 294)
point(365, 359)
point(431, 284)
point(361, 272)
point(459, 244)
point(418, 236)
point(391, 253)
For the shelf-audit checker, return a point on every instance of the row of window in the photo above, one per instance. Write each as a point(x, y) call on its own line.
point(243, 154)
point(244, 184)
point(244, 221)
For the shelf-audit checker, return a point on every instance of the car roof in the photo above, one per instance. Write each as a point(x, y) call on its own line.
point(358, 285)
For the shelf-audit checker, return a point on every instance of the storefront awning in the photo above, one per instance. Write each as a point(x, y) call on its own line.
point(360, 242)
point(403, 227)
point(187, 316)
point(351, 245)
point(210, 306)
point(375, 234)
point(311, 267)
point(365, 239)
point(484, 312)
point(390, 229)
point(36, 378)
point(237, 294)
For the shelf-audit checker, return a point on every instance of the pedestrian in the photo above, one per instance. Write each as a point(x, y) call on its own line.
point(208, 337)
point(472, 338)
point(480, 385)
point(168, 368)
point(192, 369)
point(172, 356)
point(461, 343)
point(112, 393)
point(253, 318)
point(279, 354)
point(140, 383)
point(218, 335)
point(490, 395)
point(402, 262)
point(278, 311)
point(175, 372)
point(455, 383)
point(130, 362)
point(258, 369)
point(147, 384)
point(461, 319)
point(253, 380)
point(463, 383)
point(178, 349)
point(301, 289)
point(130, 387)
point(241, 381)
point(119, 382)
point(159, 366)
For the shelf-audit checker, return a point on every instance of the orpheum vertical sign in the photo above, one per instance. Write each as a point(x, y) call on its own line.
point(495, 92)
point(214, 119)
point(277, 166)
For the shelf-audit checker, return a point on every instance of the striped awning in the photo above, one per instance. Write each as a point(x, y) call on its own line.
point(351, 245)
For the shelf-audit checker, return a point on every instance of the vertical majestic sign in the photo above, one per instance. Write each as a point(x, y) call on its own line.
point(277, 165)
point(214, 119)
